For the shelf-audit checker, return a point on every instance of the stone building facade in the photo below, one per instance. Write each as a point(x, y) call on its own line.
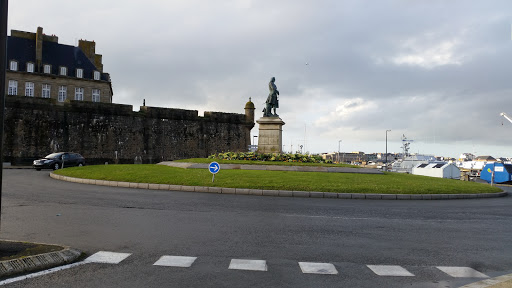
point(38, 66)
point(106, 132)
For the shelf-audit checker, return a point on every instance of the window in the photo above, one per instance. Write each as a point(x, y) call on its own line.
point(13, 87)
point(29, 89)
point(30, 67)
point(79, 73)
point(96, 75)
point(63, 71)
point(62, 93)
point(46, 91)
point(47, 69)
point(79, 94)
point(14, 65)
point(95, 95)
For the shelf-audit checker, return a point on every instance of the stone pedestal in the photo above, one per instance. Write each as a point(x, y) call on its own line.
point(270, 139)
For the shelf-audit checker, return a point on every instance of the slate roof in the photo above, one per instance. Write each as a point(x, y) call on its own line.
point(24, 50)
point(485, 158)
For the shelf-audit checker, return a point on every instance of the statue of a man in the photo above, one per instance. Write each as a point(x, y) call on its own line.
point(272, 101)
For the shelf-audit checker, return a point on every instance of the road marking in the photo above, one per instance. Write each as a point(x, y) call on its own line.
point(389, 270)
point(246, 264)
point(461, 272)
point(99, 257)
point(175, 261)
point(41, 273)
point(317, 268)
point(107, 257)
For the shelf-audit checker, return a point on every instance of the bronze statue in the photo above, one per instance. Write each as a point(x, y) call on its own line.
point(272, 100)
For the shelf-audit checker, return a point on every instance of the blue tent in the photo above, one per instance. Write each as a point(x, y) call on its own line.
point(502, 172)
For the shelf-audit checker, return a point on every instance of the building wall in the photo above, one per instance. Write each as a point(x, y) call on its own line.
point(55, 81)
point(105, 132)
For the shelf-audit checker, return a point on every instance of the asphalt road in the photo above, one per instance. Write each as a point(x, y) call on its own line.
point(216, 228)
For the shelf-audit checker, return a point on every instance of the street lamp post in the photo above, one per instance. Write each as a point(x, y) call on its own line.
point(339, 142)
point(386, 164)
point(3, 61)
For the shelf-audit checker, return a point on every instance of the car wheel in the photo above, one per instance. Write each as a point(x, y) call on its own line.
point(38, 169)
point(80, 164)
point(56, 166)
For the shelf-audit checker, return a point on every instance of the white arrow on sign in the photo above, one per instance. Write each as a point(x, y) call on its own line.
point(214, 167)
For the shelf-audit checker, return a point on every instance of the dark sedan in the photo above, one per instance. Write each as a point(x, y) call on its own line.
point(59, 160)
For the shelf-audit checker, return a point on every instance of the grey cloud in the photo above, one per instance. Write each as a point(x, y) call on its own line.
point(215, 55)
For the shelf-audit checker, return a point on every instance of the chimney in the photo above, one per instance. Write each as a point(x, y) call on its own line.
point(89, 49)
point(39, 48)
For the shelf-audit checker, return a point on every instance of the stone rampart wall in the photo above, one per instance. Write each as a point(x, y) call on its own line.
point(113, 133)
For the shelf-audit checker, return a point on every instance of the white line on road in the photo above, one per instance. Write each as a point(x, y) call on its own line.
point(246, 264)
point(33, 275)
point(99, 257)
point(462, 272)
point(107, 257)
point(175, 261)
point(317, 268)
point(389, 270)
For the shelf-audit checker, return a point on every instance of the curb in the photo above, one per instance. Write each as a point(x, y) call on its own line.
point(188, 165)
point(490, 283)
point(277, 193)
point(38, 262)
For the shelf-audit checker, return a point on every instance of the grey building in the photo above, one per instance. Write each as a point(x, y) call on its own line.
point(39, 66)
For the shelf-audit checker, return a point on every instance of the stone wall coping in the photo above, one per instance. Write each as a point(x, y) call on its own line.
point(281, 193)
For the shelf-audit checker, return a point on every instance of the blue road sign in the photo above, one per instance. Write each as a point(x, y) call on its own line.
point(214, 167)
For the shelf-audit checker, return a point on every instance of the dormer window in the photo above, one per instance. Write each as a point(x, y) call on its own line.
point(79, 73)
point(47, 69)
point(14, 65)
point(96, 75)
point(63, 71)
point(30, 67)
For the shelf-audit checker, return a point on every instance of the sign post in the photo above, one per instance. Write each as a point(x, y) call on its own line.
point(3, 61)
point(214, 167)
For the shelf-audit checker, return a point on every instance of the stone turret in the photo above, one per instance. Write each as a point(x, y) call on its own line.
point(249, 112)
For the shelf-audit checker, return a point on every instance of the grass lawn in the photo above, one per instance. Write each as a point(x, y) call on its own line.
point(248, 162)
point(387, 183)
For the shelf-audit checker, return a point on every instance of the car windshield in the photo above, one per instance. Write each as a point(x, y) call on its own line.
point(53, 156)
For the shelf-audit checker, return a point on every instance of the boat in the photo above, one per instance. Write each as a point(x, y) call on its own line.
point(409, 161)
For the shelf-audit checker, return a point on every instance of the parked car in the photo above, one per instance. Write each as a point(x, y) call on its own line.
point(59, 160)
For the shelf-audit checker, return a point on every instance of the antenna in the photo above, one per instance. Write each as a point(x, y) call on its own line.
point(405, 145)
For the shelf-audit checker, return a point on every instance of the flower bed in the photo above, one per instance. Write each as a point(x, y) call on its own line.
point(252, 156)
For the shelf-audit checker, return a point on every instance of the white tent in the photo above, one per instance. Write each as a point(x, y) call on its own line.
point(439, 170)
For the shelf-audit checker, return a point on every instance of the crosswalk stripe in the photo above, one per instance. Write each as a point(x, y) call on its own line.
point(389, 270)
point(461, 272)
point(107, 257)
point(175, 261)
point(317, 268)
point(246, 264)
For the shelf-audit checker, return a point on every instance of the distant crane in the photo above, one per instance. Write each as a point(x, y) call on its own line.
point(506, 117)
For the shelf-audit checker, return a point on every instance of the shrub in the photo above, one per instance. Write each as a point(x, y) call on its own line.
point(252, 156)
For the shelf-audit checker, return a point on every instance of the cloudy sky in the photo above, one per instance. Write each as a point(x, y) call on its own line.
point(437, 71)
